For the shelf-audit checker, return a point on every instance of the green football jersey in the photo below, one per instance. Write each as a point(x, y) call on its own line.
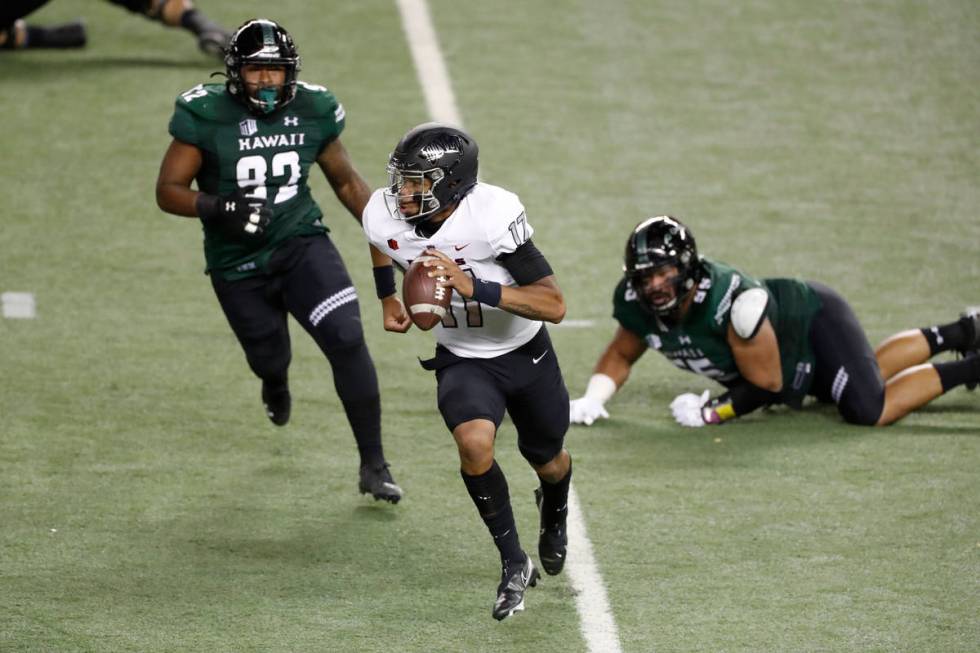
point(699, 342)
point(265, 156)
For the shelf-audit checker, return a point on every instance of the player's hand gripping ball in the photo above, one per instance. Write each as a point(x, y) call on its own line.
point(426, 300)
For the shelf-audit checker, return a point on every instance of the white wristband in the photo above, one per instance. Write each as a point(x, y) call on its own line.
point(600, 388)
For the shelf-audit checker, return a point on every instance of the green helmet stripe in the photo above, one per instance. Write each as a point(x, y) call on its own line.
point(268, 35)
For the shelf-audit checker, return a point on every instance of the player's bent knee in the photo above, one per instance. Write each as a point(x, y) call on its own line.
point(863, 410)
point(267, 357)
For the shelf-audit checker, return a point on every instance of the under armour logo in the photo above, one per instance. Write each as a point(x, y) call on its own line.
point(939, 336)
point(290, 121)
point(684, 340)
point(229, 207)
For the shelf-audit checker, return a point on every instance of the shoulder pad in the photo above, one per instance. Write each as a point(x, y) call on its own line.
point(749, 311)
point(318, 101)
point(208, 101)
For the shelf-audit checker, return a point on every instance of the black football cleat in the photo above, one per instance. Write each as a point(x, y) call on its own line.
point(971, 322)
point(377, 482)
point(515, 578)
point(278, 403)
point(552, 541)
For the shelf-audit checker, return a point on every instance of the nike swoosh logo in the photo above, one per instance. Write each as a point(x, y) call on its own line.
point(459, 247)
point(538, 359)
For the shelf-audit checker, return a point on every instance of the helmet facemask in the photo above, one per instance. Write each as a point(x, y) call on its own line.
point(680, 284)
point(428, 203)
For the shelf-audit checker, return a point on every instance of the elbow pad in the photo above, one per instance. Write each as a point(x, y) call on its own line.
point(749, 312)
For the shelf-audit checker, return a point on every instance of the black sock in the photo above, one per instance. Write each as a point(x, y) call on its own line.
point(356, 383)
point(69, 35)
point(364, 416)
point(492, 499)
point(276, 382)
point(954, 373)
point(554, 500)
point(194, 21)
point(955, 335)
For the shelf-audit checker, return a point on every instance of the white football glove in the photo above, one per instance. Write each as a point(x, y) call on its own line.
point(687, 408)
point(586, 410)
point(591, 406)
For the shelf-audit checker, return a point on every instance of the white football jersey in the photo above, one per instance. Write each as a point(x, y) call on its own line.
point(488, 222)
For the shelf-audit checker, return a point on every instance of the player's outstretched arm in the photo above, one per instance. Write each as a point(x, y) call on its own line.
point(757, 359)
point(348, 185)
point(610, 373)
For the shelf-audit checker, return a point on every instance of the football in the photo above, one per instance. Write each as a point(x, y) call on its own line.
point(426, 301)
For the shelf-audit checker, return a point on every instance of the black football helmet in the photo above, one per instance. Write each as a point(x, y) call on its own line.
point(261, 42)
point(657, 242)
point(446, 156)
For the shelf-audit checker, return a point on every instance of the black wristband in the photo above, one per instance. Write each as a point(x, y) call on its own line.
point(207, 206)
point(384, 281)
point(746, 397)
point(486, 292)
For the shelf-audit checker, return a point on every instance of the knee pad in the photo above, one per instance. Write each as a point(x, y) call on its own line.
point(341, 329)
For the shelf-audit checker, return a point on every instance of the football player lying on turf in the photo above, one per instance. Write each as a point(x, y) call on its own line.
point(16, 34)
point(768, 341)
point(249, 144)
point(493, 353)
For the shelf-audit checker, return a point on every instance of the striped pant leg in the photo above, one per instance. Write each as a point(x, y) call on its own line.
point(847, 370)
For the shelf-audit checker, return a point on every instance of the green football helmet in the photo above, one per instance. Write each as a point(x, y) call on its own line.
point(261, 42)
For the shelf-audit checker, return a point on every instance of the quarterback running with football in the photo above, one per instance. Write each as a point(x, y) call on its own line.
point(493, 353)
point(249, 144)
point(768, 341)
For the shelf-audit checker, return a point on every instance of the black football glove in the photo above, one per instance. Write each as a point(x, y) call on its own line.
point(235, 214)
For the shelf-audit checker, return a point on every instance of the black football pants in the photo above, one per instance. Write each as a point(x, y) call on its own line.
point(307, 279)
point(846, 370)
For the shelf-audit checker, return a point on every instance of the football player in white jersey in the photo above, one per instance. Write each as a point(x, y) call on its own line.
point(493, 353)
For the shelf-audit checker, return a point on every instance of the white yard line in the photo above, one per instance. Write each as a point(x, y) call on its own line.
point(18, 305)
point(595, 617)
point(429, 63)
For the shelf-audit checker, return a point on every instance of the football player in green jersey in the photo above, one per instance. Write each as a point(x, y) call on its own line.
point(768, 341)
point(249, 144)
point(16, 34)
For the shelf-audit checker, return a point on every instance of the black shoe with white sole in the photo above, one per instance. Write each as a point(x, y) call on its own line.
point(515, 578)
point(278, 403)
point(377, 481)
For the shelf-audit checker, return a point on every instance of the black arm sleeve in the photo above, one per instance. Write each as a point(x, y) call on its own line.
point(526, 264)
point(746, 397)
